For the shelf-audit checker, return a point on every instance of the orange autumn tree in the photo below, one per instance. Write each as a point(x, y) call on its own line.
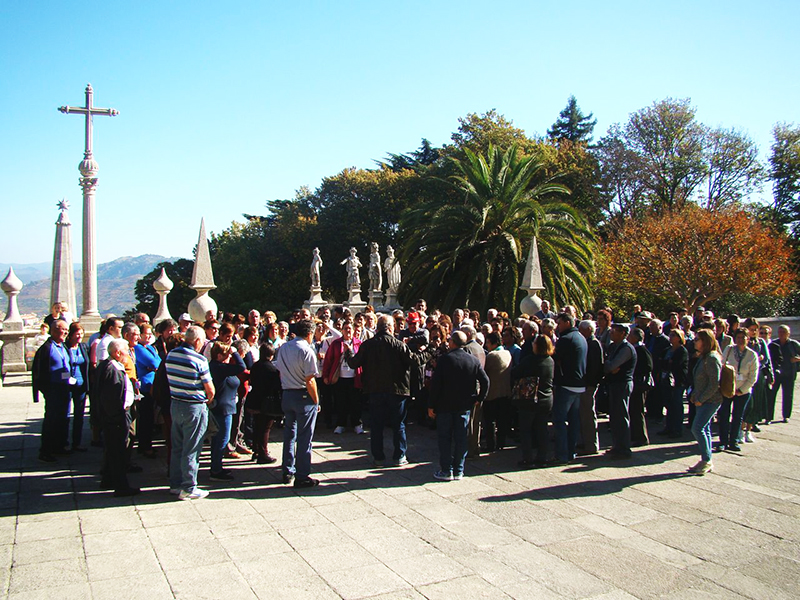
point(692, 256)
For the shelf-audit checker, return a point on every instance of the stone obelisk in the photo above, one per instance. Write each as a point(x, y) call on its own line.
point(532, 281)
point(90, 317)
point(202, 279)
point(62, 281)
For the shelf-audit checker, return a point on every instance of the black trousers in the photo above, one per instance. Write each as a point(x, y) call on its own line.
point(115, 456)
point(55, 426)
point(533, 430)
point(496, 422)
point(347, 401)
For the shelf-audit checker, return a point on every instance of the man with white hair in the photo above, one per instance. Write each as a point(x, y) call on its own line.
point(115, 394)
point(191, 390)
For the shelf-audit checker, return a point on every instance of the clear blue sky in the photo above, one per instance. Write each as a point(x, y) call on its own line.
point(225, 105)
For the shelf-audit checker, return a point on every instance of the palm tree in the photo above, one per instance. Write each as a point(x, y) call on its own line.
point(471, 252)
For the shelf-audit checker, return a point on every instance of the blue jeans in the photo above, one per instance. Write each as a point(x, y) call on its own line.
point(189, 424)
point(674, 397)
point(701, 427)
point(451, 429)
point(566, 421)
point(220, 440)
point(298, 432)
point(731, 426)
point(387, 409)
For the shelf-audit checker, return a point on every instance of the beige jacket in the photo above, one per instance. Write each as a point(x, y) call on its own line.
point(747, 372)
point(498, 368)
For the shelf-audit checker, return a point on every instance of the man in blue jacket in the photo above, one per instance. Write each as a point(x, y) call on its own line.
point(453, 394)
point(569, 383)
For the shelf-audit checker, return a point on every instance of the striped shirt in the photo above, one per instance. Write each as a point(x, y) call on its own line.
point(187, 371)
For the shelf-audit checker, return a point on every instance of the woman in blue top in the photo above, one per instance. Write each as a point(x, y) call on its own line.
point(225, 367)
point(147, 363)
point(79, 373)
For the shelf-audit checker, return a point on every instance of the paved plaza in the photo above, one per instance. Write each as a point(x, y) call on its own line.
point(595, 529)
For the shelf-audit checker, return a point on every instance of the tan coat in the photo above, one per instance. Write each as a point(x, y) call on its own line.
point(498, 368)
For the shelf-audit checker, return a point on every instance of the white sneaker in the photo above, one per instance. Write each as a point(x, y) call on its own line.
point(748, 437)
point(338, 430)
point(702, 468)
point(358, 430)
point(400, 461)
point(197, 494)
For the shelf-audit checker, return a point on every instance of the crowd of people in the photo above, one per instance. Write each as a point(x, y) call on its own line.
point(483, 382)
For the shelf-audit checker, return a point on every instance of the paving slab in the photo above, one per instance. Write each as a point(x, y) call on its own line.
point(593, 529)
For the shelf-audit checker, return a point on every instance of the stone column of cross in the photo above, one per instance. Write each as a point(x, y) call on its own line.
point(88, 182)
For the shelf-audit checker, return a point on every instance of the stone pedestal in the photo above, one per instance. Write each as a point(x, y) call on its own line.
point(391, 301)
point(13, 334)
point(163, 286)
point(354, 301)
point(90, 324)
point(376, 298)
point(315, 301)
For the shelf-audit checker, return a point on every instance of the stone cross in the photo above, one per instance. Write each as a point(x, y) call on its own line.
point(88, 181)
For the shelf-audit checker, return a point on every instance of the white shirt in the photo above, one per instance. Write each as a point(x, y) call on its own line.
point(102, 347)
point(129, 393)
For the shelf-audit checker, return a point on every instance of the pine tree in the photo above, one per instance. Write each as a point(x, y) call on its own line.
point(572, 124)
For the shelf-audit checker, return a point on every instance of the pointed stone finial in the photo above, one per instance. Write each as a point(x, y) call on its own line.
point(532, 281)
point(532, 277)
point(163, 285)
point(12, 286)
point(63, 216)
point(202, 279)
point(202, 275)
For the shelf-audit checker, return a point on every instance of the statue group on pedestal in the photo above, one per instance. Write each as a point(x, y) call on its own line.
point(376, 268)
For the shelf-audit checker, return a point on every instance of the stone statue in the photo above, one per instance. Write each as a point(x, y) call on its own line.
point(375, 274)
point(352, 265)
point(392, 268)
point(316, 264)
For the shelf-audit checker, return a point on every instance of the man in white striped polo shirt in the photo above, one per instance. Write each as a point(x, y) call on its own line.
point(191, 390)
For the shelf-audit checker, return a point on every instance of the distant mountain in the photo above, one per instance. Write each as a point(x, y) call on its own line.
point(30, 272)
point(115, 284)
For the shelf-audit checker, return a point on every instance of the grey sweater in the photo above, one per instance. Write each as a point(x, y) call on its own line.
point(706, 379)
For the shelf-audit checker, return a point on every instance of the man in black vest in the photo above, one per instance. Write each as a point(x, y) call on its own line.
point(619, 367)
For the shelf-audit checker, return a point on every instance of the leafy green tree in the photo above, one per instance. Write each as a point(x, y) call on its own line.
point(734, 170)
point(622, 188)
point(784, 171)
point(180, 272)
point(479, 132)
point(472, 251)
point(572, 125)
point(670, 143)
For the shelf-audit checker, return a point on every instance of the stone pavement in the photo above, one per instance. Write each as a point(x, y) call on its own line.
point(596, 529)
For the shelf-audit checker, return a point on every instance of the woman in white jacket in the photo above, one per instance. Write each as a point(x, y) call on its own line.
point(745, 364)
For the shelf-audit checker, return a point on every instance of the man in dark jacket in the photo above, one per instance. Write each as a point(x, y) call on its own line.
point(52, 377)
point(569, 383)
point(457, 376)
point(385, 376)
point(619, 367)
point(594, 375)
point(115, 394)
point(787, 351)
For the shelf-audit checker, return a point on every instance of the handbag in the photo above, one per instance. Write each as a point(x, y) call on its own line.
point(338, 370)
point(526, 390)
